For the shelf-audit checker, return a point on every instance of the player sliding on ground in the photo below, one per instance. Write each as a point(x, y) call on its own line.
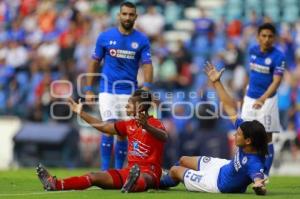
point(208, 174)
point(146, 136)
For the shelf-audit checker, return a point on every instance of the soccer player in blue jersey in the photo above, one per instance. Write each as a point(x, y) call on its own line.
point(208, 174)
point(122, 49)
point(266, 69)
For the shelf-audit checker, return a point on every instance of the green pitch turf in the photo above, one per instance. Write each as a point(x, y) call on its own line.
point(24, 184)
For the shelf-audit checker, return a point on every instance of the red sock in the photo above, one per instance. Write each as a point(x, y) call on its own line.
point(140, 185)
point(74, 183)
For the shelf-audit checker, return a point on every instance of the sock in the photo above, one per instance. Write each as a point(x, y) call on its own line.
point(120, 153)
point(140, 185)
point(269, 159)
point(166, 181)
point(106, 151)
point(74, 183)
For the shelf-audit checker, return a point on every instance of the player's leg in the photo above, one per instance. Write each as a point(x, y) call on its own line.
point(106, 104)
point(138, 181)
point(191, 162)
point(121, 143)
point(202, 180)
point(177, 173)
point(51, 183)
point(120, 151)
point(270, 120)
point(270, 156)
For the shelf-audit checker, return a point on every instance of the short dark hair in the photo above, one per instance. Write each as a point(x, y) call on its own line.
point(127, 4)
point(144, 97)
point(257, 134)
point(267, 26)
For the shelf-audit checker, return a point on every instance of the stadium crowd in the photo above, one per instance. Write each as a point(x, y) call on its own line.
point(44, 41)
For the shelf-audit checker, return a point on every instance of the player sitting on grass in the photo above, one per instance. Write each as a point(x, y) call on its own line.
point(207, 174)
point(146, 136)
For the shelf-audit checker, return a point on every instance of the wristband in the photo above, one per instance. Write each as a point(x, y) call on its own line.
point(148, 84)
point(87, 88)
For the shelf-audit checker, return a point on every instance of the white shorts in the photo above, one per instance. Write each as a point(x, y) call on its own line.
point(268, 114)
point(206, 178)
point(112, 106)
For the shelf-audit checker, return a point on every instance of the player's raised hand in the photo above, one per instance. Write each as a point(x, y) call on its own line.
point(142, 119)
point(75, 107)
point(212, 73)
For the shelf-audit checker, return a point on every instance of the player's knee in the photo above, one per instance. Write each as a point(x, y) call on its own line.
point(174, 172)
point(183, 160)
point(92, 176)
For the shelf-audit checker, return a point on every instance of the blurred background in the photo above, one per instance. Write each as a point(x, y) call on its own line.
point(46, 45)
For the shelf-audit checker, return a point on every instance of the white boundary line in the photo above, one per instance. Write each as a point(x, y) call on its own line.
point(43, 193)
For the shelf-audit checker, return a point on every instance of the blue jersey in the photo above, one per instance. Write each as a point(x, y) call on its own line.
point(122, 56)
point(241, 171)
point(263, 66)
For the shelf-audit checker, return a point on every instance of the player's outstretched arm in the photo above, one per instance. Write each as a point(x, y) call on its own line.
point(104, 127)
point(227, 102)
point(259, 186)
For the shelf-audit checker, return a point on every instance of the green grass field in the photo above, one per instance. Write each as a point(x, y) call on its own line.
point(24, 184)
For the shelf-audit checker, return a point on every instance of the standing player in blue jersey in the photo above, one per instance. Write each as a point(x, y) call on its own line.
point(215, 175)
point(122, 49)
point(266, 69)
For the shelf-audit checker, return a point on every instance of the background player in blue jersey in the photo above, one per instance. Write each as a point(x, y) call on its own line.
point(208, 174)
point(266, 69)
point(122, 49)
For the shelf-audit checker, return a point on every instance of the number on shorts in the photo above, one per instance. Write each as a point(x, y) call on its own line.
point(267, 120)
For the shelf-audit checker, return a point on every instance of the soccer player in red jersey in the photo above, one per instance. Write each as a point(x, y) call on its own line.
point(146, 136)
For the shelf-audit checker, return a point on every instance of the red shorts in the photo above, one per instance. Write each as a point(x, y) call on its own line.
point(120, 175)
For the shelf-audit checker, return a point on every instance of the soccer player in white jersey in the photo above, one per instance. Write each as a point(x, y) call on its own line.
point(215, 175)
point(266, 68)
point(123, 49)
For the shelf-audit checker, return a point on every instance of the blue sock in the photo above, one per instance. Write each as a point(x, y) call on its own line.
point(166, 180)
point(120, 153)
point(106, 147)
point(269, 159)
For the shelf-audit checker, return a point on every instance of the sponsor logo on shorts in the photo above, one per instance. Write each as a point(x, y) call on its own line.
point(206, 159)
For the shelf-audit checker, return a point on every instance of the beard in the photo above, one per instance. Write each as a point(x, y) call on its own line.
point(128, 25)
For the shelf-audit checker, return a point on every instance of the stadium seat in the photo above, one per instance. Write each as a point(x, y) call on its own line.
point(289, 2)
point(252, 3)
point(174, 36)
point(290, 14)
point(234, 13)
point(187, 25)
point(172, 13)
point(273, 12)
point(268, 3)
point(217, 13)
point(235, 3)
point(191, 13)
point(209, 4)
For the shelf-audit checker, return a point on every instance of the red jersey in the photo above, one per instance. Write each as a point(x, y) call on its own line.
point(143, 147)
